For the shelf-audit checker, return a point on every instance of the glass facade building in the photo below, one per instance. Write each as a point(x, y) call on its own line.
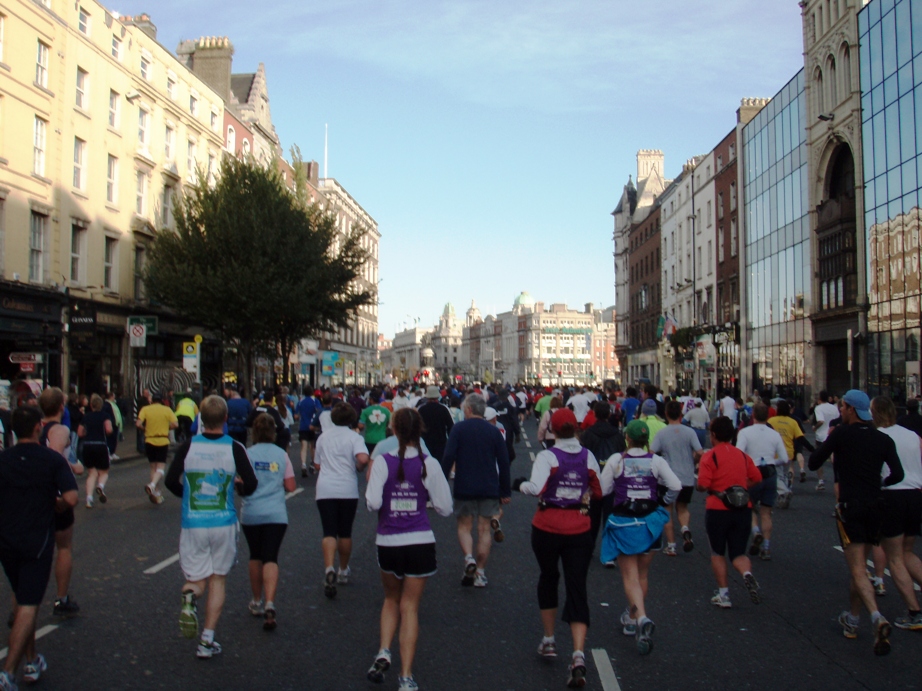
point(777, 249)
point(891, 100)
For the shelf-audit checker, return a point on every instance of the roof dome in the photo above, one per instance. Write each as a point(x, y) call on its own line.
point(449, 310)
point(524, 300)
point(427, 352)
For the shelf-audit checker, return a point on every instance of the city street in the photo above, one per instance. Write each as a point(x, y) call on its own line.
point(127, 582)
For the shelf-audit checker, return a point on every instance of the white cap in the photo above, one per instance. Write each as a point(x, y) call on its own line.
point(489, 414)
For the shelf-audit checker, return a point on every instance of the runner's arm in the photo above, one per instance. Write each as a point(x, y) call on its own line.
point(540, 472)
point(612, 469)
point(665, 476)
point(245, 471)
point(892, 459)
point(438, 488)
point(374, 492)
point(823, 452)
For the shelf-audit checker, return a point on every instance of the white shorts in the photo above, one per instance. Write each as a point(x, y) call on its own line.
point(204, 552)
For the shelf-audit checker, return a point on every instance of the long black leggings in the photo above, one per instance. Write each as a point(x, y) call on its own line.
point(575, 551)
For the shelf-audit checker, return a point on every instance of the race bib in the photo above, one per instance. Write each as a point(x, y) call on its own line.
point(638, 494)
point(571, 493)
point(403, 505)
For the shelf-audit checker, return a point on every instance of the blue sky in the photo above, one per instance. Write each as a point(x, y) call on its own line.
point(491, 140)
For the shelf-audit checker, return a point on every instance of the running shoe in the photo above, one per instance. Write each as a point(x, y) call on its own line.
point(407, 684)
point(722, 601)
point(33, 670)
point(765, 554)
point(480, 580)
point(577, 678)
point(910, 622)
point(669, 550)
point(610, 564)
point(470, 568)
point(790, 478)
point(879, 588)
point(342, 576)
point(783, 501)
point(329, 584)
point(644, 637)
point(269, 624)
point(381, 664)
point(757, 541)
point(882, 631)
point(256, 608)
point(7, 683)
point(206, 650)
point(151, 490)
point(89, 502)
point(803, 476)
point(547, 649)
point(303, 471)
point(820, 485)
point(753, 587)
point(101, 493)
point(498, 533)
point(849, 630)
point(687, 543)
point(628, 624)
point(65, 606)
point(188, 615)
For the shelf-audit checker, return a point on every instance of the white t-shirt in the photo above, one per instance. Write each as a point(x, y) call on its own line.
point(824, 413)
point(728, 408)
point(580, 404)
point(335, 454)
point(763, 445)
point(698, 417)
point(910, 453)
point(400, 402)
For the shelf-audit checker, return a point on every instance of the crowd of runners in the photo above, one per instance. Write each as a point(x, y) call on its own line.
point(623, 466)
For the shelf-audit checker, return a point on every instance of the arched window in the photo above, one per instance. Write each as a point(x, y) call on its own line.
point(845, 59)
point(831, 77)
point(231, 139)
point(820, 95)
point(246, 147)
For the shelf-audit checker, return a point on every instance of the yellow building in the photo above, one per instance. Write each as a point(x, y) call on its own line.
point(100, 129)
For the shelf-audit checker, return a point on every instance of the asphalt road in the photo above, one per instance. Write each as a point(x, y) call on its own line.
point(126, 635)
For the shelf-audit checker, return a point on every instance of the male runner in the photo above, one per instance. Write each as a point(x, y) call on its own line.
point(156, 420)
point(824, 412)
point(680, 446)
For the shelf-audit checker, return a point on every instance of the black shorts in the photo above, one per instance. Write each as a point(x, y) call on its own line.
point(28, 577)
point(307, 435)
point(96, 455)
point(63, 520)
point(902, 512)
point(336, 516)
point(863, 523)
point(156, 454)
point(728, 531)
point(265, 541)
point(408, 561)
point(685, 495)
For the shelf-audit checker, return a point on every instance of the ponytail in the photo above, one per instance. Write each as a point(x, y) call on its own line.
point(400, 453)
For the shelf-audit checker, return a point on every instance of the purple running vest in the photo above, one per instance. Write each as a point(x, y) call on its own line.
point(566, 487)
point(404, 507)
point(637, 482)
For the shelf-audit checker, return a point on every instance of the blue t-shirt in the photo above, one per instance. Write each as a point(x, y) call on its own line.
point(267, 503)
point(307, 408)
point(629, 408)
point(238, 409)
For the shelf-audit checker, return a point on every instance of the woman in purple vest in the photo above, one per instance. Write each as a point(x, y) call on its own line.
point(399, 486)
point(564, 478)
point(635, 527)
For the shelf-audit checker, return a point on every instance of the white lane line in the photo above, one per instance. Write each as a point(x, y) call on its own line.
point(886, 571)
point(44, 631)
point(605, 669)
point(175, 558)
point(162, 565)
point(527, 444)
point(532, 454)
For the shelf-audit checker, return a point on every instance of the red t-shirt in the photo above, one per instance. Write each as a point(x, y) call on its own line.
point(732, 467)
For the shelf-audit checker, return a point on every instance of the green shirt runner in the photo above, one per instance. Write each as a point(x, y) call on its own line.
point(375, 418)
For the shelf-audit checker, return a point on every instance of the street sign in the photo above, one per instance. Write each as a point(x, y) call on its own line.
point(198, 338)
point(190, 357)
point(137, 334)
point(20, 358)
point(27, 366)
point(152, 324)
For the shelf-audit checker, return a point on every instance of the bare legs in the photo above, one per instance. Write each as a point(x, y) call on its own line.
point(64, 566)
point(719, 566)
point(216, 586)
point(861, 592)
point(484, 538)
point(95, 477)
point(635, 571)
point(332, 545)
point(401, 607)
point(264, 576)
point(22, 638)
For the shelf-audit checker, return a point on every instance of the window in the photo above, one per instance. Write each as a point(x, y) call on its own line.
point(214, 120)
point(140, 205)
point(720, 162)
point(38, 147)
point(145, 69)
point(193, 105)
point(79, 163)
point(114, 109)
point(231, 139)
point(143, 121)
point(112, 180)
point(211, 168)
point(110, 263)
point(720, 205)
point(732, 196)
point(720, 245)
point(246, 147)
point(190, 161)
point(37, 230)
point(2, 30)
point(166, 207)
point(733, 237)
point(83, 21)
point(732, 151)
point(710, 257)
point(117, 48)
point(140, 261)
point(168, 141)
point(709, 213)
point(41, 65)
point(83, 83)
point(77, 243)
point(171, 87)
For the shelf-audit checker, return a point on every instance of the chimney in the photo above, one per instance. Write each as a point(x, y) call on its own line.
point(143, 22)
point(589, 307)
point(313, 173)
point(648, 161)
point(749, 108)
point(210, 58)
point(539, 307)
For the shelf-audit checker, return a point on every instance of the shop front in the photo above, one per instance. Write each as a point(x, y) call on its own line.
point(30, 333)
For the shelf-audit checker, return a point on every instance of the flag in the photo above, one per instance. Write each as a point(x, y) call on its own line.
point(669, 326)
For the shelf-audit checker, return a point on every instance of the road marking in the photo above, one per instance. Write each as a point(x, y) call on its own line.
point(162, 565)
point(870, 563)
point(532, 454)
point(156, 568)
point(44, 631)
point(605, 669)
point(527, 444)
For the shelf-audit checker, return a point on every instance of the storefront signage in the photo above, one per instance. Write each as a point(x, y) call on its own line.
point(21, 358)
point(23, 305)
point(82, 320)
point(329, 358)
point(152, 324)
point(190, 357)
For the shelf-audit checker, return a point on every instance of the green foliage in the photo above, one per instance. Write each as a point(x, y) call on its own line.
point(683, 338)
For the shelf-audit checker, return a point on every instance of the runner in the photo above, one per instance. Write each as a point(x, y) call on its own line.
point(35, 482)
point(437, 425)
point(186, 411)
point(793, 437)
point(634, 529)
point(679, 445)
point(307, 408)
point(824, 413)
point(399, 487)
point(264, 517)
point(726, 473)
point(478, 453)
point(93, 430)
point(340, 454)
point(604, 440)
point(203, 475)
point(860, 454)
point(545, 431)
point(238, 410)
point(156, 420)
point(374, 422)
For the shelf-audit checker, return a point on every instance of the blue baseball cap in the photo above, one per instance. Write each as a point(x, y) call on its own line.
point(860, 402)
